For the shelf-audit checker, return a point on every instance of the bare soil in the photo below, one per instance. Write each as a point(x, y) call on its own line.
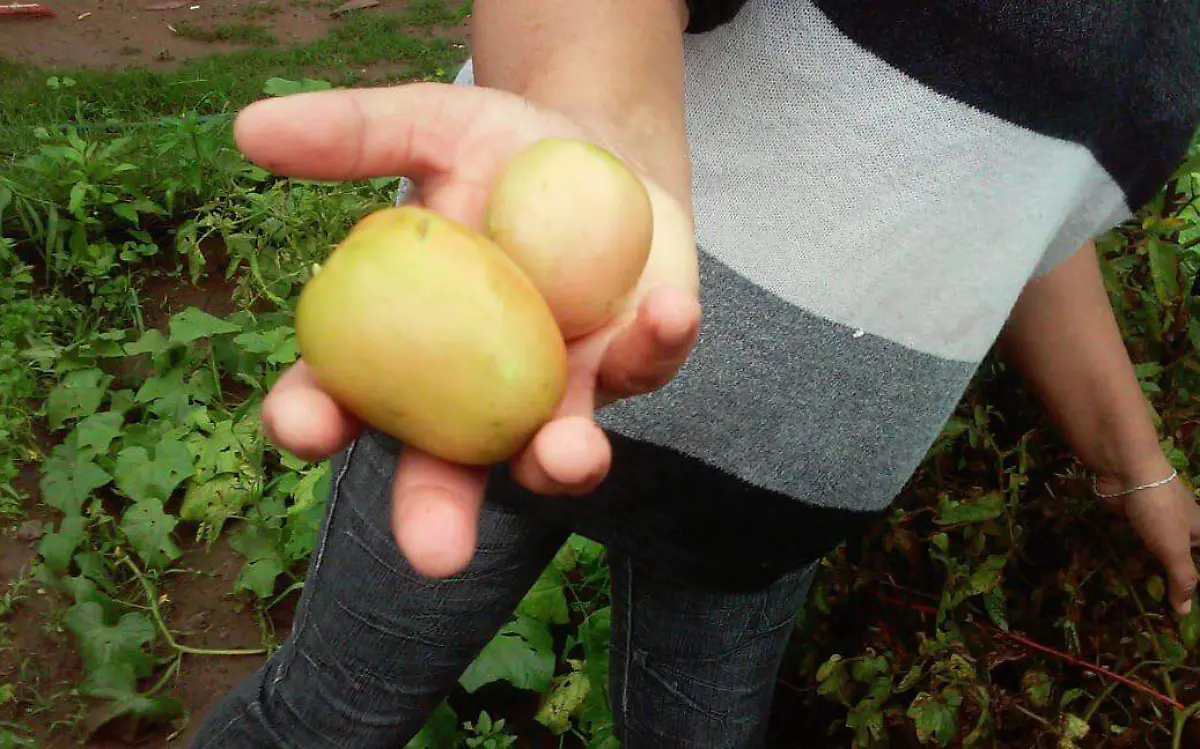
point(36, 651)
point(108, 34)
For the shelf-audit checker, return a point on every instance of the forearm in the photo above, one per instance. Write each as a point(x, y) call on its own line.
point(1064, 338)
point(616, 67)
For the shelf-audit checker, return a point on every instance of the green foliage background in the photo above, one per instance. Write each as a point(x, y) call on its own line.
point(996, 606)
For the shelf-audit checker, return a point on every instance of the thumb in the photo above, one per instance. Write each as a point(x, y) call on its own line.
point(1181, 577)
point(1162, 521)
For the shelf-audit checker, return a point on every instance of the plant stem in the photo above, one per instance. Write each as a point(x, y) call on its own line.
point(1032, 715)
point(1093, 667)
point(1181, 719)
point(1170, 685)
point(285, 593)
point(152, 596)
point(162, 680)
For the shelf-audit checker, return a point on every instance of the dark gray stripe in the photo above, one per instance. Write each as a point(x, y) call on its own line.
point(794, 403)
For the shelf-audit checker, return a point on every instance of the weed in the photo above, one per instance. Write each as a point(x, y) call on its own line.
point(239, 32)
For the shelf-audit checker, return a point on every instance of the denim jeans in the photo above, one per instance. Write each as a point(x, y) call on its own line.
point(375, 646)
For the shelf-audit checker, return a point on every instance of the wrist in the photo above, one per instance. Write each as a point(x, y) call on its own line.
point(1132, 473)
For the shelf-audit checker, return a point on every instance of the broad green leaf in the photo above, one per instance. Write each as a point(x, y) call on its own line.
point(1164, 270)
point(57, 548)
point(264, 562)
point(866, 718)
point(161, 386)
point(522, 654)
point(303, 525)
point(126, 211)
point(440, 730)
point(148, 529)
point(91, 566)
point(1155, 588)
point(595, 636)
point(308, 508)
point(193, 323)
point(216, 500)
point(140, 477)
point(152, 342)
point(120, 643)
point(1189, 628)
point(79, 394)
point(975, 510)
point(579, 552)
point(546, 601)
point(1074, 727)
point(868, 669)
point(1071, 695)
point(936, 716)
point(565, 699)
point(116, 684)
point(97, 432)
point(69, 478)
point(911, 679)
point(313, 487)
point(1037, 686)
point(986, 576)
point(996, 606)
point(277, 346)
point(287, 352)
point(259, 576)
point(604, 741)
point(832, 678)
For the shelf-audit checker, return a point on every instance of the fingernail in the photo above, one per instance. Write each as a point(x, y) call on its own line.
point(1186, 608)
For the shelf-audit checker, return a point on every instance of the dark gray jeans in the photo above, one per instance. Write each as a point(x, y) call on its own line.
point(376, 647)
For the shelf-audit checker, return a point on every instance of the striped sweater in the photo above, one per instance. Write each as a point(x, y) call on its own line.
point(874, 184)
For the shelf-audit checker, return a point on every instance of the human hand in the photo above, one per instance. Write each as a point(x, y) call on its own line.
point(453, 141)
point(1167, 519)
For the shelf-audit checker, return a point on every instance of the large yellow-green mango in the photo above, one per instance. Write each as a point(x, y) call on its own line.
point(427, 331)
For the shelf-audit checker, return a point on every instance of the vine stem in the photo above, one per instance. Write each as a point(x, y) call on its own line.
point(1031, 715)
point(152, 597)
point(1181, 719)
point(1032, 645)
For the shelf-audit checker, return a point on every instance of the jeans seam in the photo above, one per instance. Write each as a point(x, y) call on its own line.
point(225, 729)
point(322, 544)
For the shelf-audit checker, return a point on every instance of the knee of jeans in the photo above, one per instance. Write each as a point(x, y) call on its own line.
point(315, 697)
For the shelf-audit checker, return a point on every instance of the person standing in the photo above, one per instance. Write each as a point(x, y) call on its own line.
point(853, 204)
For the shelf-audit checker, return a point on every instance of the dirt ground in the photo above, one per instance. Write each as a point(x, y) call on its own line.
point(198, 606)
point(109, 34)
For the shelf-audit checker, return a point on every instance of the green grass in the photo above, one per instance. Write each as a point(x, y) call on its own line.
point(218, 84)
point(240, 32)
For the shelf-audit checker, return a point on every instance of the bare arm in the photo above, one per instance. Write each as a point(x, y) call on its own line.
point(616, 67)
point(1064, 337)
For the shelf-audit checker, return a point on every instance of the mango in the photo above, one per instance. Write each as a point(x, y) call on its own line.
point(429, 332)
point(579, 222)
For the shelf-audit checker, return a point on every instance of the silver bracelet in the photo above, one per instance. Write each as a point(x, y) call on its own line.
point(1152, 485)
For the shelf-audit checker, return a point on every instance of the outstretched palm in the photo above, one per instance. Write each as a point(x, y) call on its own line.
point(453, 141)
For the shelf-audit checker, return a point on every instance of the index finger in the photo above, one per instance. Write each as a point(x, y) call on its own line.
point(413, 129)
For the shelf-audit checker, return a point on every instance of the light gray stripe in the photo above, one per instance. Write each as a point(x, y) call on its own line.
point(848, 188)
point(794, 403)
